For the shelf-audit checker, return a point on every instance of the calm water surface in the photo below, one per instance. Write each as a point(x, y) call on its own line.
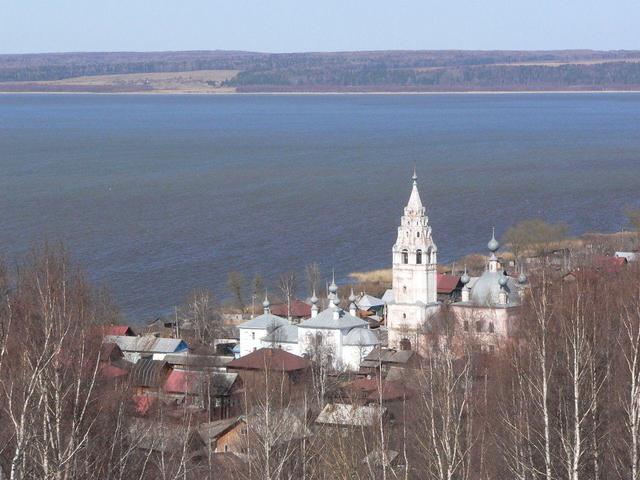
point(156, 195)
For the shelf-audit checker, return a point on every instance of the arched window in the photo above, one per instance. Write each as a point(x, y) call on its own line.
point(418, 234)
point(418, 257)
point(478, 326)
point(319, 338)
point(253, 335)
point(404, 315)
point(405, 256)
point(405, 344)
point(491, 329)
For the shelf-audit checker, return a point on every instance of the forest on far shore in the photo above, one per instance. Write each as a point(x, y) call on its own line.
point(423, 70)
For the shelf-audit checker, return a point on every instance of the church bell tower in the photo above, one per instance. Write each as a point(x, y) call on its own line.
point(415, 292)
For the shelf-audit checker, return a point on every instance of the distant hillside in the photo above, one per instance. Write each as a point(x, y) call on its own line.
point(447, 70)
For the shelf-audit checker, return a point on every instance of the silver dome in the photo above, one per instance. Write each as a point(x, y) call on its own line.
point(486, 290)
point(360, 337)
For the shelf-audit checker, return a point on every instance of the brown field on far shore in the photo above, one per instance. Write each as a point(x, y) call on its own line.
point(198, 81)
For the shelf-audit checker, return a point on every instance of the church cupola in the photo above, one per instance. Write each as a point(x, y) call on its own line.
point(314, 304)
point(333, 289)
point(352, 304)
point(465, 279)
point(493, 247)
point(265, 304)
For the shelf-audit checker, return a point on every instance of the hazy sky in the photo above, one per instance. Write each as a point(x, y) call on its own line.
point(322, 25)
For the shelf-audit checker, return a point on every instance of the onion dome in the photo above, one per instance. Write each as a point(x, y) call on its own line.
point(352, 297)
point(493, 244)
point(336, 301)
point(333, 288)
point(465, 277)
point(503, 280)
point(522, 278)
point(314, 299)
point(265, 303)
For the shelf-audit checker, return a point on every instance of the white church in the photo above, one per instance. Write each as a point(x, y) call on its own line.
point(338, 336)
point(486, 311)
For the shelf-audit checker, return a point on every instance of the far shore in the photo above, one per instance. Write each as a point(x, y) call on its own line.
point(214, 93)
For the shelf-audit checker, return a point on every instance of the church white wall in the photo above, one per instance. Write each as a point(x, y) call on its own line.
point(251, 340)
point(286, 346)
point(331, 341)
point(407, 321)
point(496, 319)
point(352, 356)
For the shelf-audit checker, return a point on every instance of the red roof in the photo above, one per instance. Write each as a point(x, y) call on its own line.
point(269, 358)
point(447, 283)
point(364, 385)
point(299, 309)
point(118, 330)
point(181, 381)
point(111, 371)
point(609, 264)
point(391, 391)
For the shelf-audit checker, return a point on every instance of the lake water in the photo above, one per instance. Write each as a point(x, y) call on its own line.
point(157, 195)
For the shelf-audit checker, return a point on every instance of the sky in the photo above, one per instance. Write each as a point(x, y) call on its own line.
point(35, 26)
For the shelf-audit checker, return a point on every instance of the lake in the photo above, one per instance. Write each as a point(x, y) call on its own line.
point(157, 195)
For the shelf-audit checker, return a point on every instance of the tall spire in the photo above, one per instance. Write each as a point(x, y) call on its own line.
point(265, 304)
point(415, 203)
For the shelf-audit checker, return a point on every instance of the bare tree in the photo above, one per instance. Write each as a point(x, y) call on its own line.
point(202, 313)
point(314, 275)
point(235, 282)
point(287, 286)
point(257, 289)
point(534, 235)
point(628, 342)
point(445, 417)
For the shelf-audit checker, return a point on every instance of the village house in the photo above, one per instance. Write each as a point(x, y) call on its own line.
point(112, 362)
point(344, 415)
point(166, 438)
point(217, 392)
point(224, 436)
point(148, 376)
point(205, 363)
point(134, 348)
point(253, 367)
point(383, 359)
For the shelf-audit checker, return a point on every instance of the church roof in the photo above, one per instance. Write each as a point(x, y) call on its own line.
point(360, 337)
point(325, 319)
point(365, 302)
point(388, 295)
point(264, 321)
point(283, 334)
point(486, 290)
point(414, 203)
